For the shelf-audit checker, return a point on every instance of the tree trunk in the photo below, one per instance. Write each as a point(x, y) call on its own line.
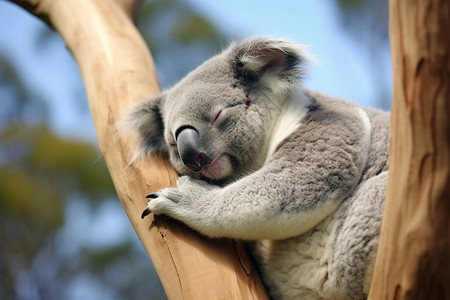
point(413, 259)
point(118, 72)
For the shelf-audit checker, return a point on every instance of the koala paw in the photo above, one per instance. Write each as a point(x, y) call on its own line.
point(163, 199)
point(185, 202)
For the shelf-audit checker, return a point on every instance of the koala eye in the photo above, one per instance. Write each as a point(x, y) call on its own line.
point(234, 104)
point(219, 114)
point(216, 116)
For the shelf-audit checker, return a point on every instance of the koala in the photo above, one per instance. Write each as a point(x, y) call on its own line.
point(298, 175)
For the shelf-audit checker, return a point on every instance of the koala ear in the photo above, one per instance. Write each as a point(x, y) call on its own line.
point(273, 64)
point(147, 120)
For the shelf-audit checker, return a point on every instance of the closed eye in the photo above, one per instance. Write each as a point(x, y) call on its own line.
point(234, 104)
point(247, 102)
point(216, 117)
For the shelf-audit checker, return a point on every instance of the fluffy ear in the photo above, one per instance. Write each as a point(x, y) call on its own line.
point(273, 64)
point(146, 119)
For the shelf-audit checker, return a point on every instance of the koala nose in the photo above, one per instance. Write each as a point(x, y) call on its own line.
point(190, 150)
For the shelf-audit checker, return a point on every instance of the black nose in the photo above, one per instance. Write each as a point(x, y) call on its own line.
point(190, 150)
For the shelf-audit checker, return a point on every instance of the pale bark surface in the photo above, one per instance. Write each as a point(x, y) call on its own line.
point(118, 72)
point(413, 259)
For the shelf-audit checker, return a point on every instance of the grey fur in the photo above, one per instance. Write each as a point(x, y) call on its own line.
point(300, 175)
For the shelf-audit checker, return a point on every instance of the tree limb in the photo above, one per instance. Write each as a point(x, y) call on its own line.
point(118, 72)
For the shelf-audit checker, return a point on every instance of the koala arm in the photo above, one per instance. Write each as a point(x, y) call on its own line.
point(304, 182)
point(264, 205)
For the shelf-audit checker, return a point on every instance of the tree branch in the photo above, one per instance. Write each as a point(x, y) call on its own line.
point(118, 72)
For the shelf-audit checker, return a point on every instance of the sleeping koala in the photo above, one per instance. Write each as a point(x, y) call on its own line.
point(299, 175)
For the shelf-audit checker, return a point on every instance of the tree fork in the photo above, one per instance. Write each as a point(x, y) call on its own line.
point(118, 72)
point(413, 260)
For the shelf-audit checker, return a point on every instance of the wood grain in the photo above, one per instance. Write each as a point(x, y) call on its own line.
point(413, 259)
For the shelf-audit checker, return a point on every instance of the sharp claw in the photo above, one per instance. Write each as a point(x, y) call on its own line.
point(145, 213)
point(152, 195)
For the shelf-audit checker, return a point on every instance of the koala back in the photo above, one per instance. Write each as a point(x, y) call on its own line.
point(334, 258)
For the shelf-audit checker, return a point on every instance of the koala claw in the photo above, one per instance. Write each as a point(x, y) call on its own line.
point(145, 213)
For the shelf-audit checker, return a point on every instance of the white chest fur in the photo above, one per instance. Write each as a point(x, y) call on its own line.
point(292, 112)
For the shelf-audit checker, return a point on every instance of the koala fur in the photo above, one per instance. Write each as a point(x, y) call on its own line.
point(299, 175)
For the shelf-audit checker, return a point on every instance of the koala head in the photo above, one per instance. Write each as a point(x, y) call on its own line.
point(216, 122)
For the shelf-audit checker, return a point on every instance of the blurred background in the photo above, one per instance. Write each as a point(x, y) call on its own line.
point(63, 232)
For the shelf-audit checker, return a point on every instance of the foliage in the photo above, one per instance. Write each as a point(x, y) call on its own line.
point(38, 172)
point(172, 28)
point(367, 22)
point(374, 29)
point(16, 99)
